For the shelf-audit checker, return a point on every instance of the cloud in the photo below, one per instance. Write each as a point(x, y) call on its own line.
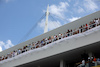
point(73, 19)
point(76, 3)
point(69, 0)
point(51, 25)
point(58, 10)
point(0, 48)
point(6, 45)
point(2, 43)
point(85, 6)
point(80, 10)
point(90, 5)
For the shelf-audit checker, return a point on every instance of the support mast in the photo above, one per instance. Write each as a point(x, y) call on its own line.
point(46, 22)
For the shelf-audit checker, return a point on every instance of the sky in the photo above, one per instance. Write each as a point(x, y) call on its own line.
point(20, 18)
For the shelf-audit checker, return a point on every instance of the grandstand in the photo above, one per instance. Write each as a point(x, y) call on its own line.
point(65, 52)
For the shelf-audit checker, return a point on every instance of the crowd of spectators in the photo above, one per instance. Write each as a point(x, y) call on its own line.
point(89, 62)
point(50, 39)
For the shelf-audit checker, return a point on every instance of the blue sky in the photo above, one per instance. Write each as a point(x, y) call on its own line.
point(17, 17)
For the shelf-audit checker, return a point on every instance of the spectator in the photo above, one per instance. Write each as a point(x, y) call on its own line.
point(94, 59)
point(81, 29)
point(94, 23)
point(23, 50)
point(33, 45)
point(60, 36)
point(64, 35)
point(71, 33)
point(98, 61)
point(83, 63)
point(46, 40)
point(27, 48)
point(52, 38)
point(43, 42)
point(16, 53)
point(37, 45)
point(90, 26)
point(97, 21)
point(6, 57)
point(30, 46)
point(75, 32)
point(56, 37)
point(68, 33)
point(13, 54)
point(2, 57)
point(19, 51)
point(86, 27)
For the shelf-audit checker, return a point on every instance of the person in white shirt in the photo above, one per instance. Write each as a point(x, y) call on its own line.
point(96, 22)
point(48, 41)
point(19, 51)
point(15, 53)
point(60, 36)
point(83, 63)
point(54, 38)
point(2, 57)
point(90, 60)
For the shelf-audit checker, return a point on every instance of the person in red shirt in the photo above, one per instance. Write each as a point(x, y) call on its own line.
point(86, 27)
point(94, 59)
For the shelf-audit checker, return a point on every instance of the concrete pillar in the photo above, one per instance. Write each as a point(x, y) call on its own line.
point(62, 63)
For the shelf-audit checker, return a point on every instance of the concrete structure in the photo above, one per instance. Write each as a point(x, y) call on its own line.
point(64, 54)
point(46, 22)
